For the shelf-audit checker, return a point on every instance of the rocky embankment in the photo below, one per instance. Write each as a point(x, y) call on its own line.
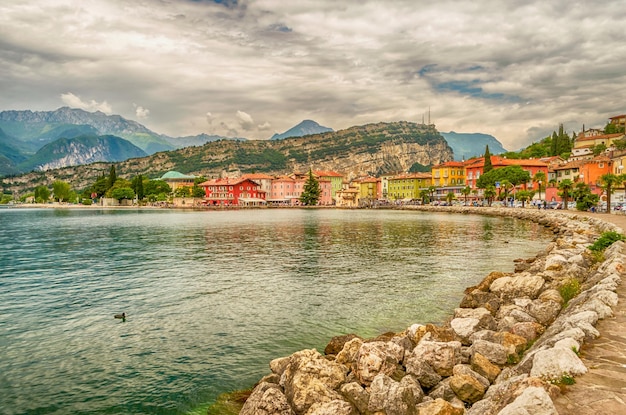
point(509, 347)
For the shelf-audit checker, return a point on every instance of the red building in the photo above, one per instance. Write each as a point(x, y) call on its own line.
point(233, 192)
point(474, 169)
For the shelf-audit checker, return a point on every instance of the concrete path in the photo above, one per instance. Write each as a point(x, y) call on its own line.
point(603, 389)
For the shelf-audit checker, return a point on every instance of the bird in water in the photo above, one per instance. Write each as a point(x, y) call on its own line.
point(120, 316)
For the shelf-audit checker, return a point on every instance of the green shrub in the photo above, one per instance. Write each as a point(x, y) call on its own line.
point(569, 289)
point(606, 240)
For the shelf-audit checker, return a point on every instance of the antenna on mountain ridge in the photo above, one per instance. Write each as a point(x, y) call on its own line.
point(429, 115)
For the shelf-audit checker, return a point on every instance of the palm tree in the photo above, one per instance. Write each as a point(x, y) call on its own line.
point(490, 193)
point(566, 187)
point(450, 197)
point(465, 192)
point(608, 181)
point(524, 196)
point(540, 178)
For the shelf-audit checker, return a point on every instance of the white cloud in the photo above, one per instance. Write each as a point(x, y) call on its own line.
point(74, 101)
point(245, 120)
point(265, 126)
point(341, 63)
point(141, 112)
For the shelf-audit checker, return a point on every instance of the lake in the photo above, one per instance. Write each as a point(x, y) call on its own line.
point(212, 296)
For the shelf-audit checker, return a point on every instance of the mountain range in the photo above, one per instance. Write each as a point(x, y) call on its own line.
point(372, 149)
point(43, 140)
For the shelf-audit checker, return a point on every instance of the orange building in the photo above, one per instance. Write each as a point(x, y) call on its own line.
point(474, 168)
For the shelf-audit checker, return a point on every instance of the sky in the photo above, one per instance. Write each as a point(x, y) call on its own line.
point(250, 68)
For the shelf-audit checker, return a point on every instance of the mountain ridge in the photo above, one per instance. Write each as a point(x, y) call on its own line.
point(305, 127)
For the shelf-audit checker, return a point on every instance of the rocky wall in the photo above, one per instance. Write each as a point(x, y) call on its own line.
point(511, 342)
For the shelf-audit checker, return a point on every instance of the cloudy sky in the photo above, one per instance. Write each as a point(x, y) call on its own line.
point(250, 68)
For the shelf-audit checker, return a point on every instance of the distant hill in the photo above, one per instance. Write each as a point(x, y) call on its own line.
point(306, 127)
point(372, 149)
point(83, 149)
point(468, 145)
point(37, 128)
point(198, 140)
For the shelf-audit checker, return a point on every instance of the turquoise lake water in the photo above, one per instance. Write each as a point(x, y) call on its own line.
point(212, 297)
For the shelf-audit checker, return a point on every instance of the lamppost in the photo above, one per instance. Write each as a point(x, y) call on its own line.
point(539, 182)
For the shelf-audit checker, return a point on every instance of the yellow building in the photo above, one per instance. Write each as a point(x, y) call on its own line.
point(369, 188)
point(450, 173)
point(408, 186)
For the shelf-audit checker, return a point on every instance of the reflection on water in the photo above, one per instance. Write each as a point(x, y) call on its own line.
point(212, 297)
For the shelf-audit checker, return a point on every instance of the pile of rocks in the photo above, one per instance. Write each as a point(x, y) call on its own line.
point(505, 350)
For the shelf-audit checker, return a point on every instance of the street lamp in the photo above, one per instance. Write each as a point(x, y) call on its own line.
point(539, 189)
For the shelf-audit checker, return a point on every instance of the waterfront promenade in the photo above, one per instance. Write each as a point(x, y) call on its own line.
point(603, 389)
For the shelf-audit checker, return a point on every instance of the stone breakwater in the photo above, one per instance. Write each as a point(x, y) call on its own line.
point(509, 347)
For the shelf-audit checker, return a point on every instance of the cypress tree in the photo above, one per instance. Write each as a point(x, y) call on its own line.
point(487, 167)
point(112, 177)
point(311, 192)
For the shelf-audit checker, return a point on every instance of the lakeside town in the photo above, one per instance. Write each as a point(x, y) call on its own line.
point(588, 179)
point(446, 182)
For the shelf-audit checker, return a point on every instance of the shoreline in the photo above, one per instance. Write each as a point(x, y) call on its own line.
point(496, 358)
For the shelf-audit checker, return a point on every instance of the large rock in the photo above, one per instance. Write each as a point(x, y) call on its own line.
point(494, 352)
point(266, 399)
point(533, 401)
point(477, 298)
point(377, 357)
point(467, 370)
point(523, 285)
point(422, 371)
point(310, 378)
point(356, 395)
point(553, 364)
point(394, 398)
point(441, 356)
point(528, 330)
point(467, 388)
point(336, 343)
point(336, 407)
point(544, 311)
point(482, 366)
point(347, 356)
point(469, 320)
point(438, 407)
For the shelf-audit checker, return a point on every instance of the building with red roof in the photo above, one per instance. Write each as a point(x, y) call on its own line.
point(233, 192)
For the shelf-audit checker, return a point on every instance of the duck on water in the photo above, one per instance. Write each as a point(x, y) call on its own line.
point(120, 316)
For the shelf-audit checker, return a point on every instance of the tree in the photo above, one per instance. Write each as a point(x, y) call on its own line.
point(583, 196)
point(487, 166)
point(137, 186)
point(450, 197)
point(61, 190)
point(112, 177)
point(565, 187)
point(608, 181)
point(424, 196)
point(311, 191)
point(156, 187)
point(41, 194)
point(121, 193)
point(540, 179)
point(513, 174)
point(182, 191)
point(490, 193)
point(524, 196)
point(599, 149)
point(101, 186)
point(505, 186)
point(465, 192)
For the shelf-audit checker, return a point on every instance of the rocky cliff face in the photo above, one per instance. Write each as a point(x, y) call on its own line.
point(373, 149)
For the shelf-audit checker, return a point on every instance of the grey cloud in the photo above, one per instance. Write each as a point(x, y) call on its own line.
point(508, 68)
